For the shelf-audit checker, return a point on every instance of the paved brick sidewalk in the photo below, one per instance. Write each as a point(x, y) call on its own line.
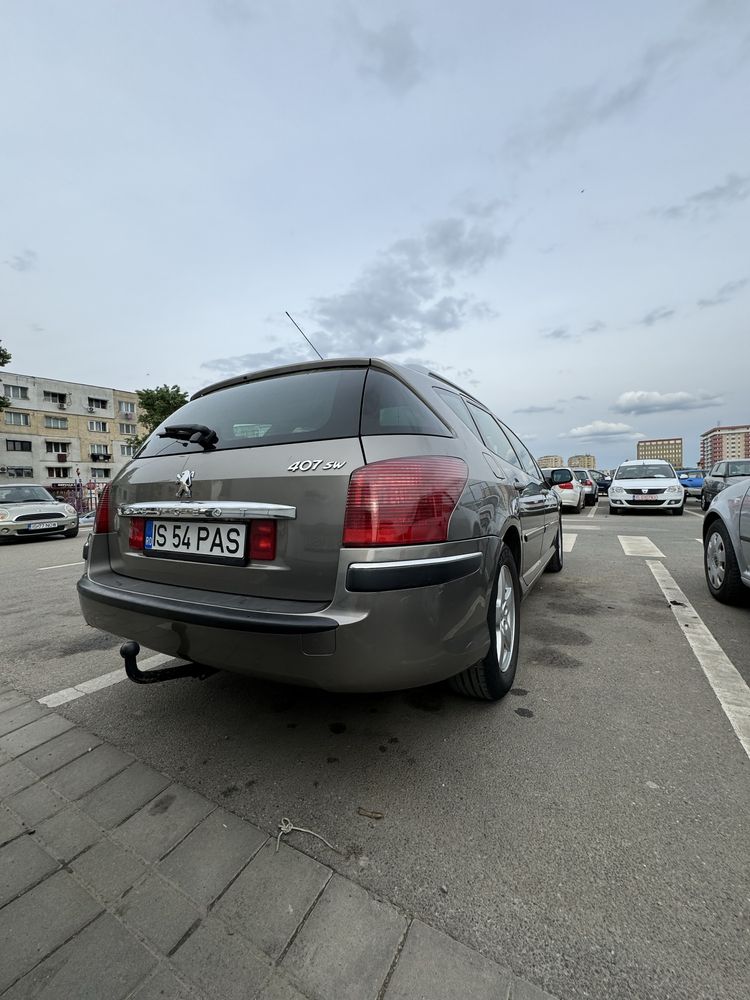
point(116, 882)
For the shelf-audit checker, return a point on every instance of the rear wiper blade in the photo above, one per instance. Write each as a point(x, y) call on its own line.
point(192, 433)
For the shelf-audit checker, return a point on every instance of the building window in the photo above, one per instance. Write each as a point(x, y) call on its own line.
point(16, 391)
point(58, 423)
point(125, 407)
point(100, 473)
point(127, 450)
point(17, 445)
point(57, 447)
point(98, 425)
point(100, 453)
point(58, 471)
point(127, 428)
point(97, 404)
point(55, 397)
point(20, 472)
point(17, 419)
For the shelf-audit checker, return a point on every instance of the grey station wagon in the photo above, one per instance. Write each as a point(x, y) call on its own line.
point(349, 524)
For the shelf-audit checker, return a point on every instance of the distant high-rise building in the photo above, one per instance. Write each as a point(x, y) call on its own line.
point(666, 449)
point(550, 461)
point(725, 442)
point(582, 461)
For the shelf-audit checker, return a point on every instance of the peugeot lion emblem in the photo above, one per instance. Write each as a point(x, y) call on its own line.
point(184, 481)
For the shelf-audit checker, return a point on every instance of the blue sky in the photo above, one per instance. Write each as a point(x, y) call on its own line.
point(550, 204)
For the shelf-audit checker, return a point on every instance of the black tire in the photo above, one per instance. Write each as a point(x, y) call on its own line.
point(720, 566)
point(487, 680)
point(556, 562)
point(71, 532)
point(614, 510)
point(678, 511)
point(705, 504)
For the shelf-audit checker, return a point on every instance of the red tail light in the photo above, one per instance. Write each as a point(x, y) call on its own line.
point(103, 520)
point(587, 482)
point(565, 486)
point(262, 542)
point(136, 532)
point(403, 501)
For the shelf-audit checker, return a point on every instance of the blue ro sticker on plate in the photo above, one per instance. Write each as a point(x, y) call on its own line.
point(148, 536)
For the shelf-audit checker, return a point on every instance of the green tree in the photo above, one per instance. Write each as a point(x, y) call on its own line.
point(5, 357)
point(155, 406)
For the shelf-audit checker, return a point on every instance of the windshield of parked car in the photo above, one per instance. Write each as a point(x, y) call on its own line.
point(656, 470)
point(25, 494)
point(738, 469)
point(581, 474)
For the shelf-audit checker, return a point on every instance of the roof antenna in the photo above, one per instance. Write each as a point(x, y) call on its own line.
point(306, 337)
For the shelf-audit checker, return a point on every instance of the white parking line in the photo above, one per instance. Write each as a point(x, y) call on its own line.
point(101, 682)
point(639, 545)
point(568, 542)
point(722, 675)
point(40, 569)
point(579, 526)
point(694, 513)
point(594, 509)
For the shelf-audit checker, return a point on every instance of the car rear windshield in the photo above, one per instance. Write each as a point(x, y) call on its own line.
point(25, 494)
point(301, 406)
point(656, 470)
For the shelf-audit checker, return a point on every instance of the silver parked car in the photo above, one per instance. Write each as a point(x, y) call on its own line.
point(28, 510)
point(349, 524)
point(726, 544)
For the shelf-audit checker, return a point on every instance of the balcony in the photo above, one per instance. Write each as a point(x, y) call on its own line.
point(97, 456)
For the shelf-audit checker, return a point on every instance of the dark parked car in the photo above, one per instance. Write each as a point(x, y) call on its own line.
point(351, 524)
point(723, 474)
point(726, 545)
point(603, 481)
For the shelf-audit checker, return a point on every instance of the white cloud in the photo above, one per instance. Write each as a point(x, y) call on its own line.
point(603, 429)
point(642, 401)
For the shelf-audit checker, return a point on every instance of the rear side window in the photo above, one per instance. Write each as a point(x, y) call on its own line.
point(389, 407)
point(527, 462)
point(494, 436)
point(286, 409)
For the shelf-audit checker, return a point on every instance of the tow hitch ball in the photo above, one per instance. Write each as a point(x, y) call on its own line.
point(130, 650)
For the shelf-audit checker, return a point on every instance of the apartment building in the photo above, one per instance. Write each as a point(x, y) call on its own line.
point(719, 443)
point(64, 434)
point(665, 449)
point(582, 461)
point(550, 461)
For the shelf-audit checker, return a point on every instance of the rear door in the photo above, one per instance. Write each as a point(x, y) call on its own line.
point(286, 447)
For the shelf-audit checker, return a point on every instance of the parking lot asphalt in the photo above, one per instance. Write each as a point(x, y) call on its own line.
point(589, 832)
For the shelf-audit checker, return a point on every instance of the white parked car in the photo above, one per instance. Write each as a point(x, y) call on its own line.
point(646, 484)
point(568, 487)
point(590, 485)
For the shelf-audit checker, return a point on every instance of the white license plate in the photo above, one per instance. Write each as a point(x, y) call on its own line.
point(41, 525)
point(648, 499)
point(191, 540)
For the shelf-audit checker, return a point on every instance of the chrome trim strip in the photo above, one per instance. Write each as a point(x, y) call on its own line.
point(534, 531)
point(469, 558)
point(216, 510)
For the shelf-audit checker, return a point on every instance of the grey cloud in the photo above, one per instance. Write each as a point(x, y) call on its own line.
point(734, 189)
point(596, 327)
point(639, 401)
point(398, 300)
point(537, 409)
point(25, 261)
point(579, 110)
point(656, 316)
point(284, 355)
point(725, 294)
point(559, 333)
point(391, 55)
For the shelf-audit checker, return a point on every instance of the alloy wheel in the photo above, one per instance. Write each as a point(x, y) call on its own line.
point(716, 560)
point(505, 619)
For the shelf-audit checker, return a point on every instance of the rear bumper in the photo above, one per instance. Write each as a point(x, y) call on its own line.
point(390, 625)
